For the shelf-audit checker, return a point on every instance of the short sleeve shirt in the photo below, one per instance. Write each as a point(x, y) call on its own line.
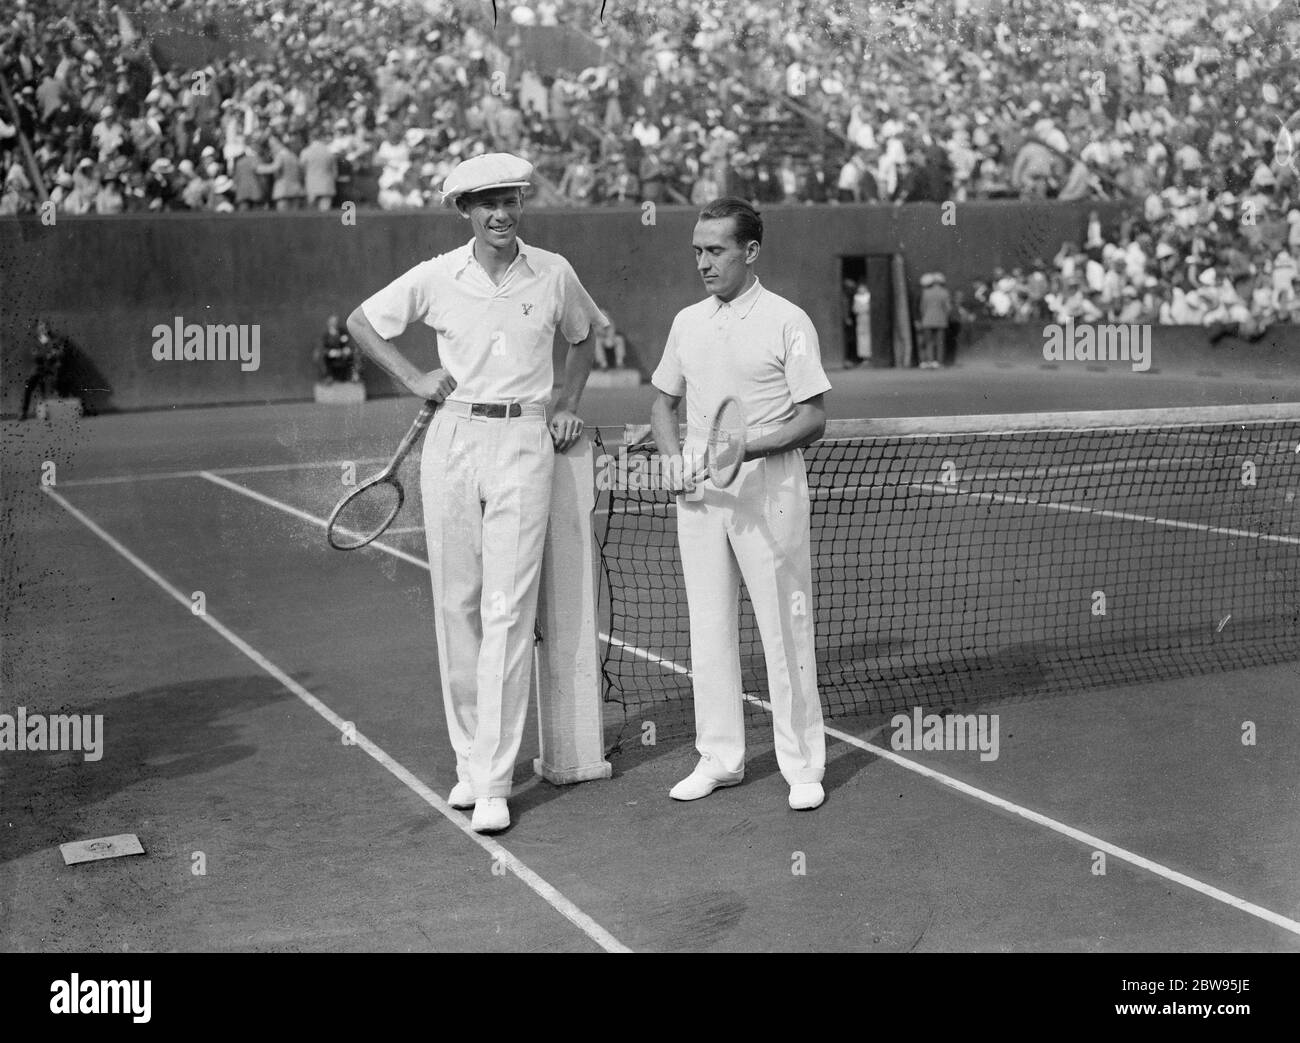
point(759, 348)
point(493, 338)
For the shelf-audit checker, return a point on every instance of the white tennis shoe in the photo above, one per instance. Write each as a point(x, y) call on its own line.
point(461, 796)
point(697, 785)
point(804, 796)
point(491, 815)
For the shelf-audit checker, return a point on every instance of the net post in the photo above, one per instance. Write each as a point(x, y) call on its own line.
point(567, 673)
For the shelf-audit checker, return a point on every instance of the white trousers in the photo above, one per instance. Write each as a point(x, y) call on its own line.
point(486, 485)
point(756, 529)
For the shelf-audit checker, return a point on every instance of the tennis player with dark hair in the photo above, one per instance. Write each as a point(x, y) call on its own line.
point(488, 455)
point(744, 341)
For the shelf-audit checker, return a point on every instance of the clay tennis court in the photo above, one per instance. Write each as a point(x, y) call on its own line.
point(292, 735)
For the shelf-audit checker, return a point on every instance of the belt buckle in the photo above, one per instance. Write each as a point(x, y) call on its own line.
point(495, 410)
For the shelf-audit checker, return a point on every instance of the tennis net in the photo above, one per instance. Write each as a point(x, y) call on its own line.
point(964, 559)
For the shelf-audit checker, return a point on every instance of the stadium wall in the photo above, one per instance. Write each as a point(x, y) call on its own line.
point(106, 282)
point(1184, 351)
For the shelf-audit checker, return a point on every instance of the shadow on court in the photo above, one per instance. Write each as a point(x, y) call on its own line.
point(153, 736)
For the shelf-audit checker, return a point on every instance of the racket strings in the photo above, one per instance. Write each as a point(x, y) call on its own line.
point(726, 448)
point(365, 514)
point(726, 443)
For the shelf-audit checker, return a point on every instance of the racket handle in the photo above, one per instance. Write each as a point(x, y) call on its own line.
point(426, 414)
point(412, 435)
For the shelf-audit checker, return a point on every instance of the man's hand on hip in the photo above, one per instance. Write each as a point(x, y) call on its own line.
point(566, 427)
point(436, 385)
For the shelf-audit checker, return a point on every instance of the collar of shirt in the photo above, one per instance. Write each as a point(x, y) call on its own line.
point(741, 306)
point(466, 258)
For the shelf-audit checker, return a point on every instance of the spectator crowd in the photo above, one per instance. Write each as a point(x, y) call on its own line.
point(1185, 107)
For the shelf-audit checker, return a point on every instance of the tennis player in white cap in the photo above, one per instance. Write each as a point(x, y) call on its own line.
point(488, 454)
point(745, 341)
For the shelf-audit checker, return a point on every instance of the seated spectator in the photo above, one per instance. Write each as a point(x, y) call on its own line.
point(1284, 274)
point(222, 199)
point(620, 187)
point(110, 200)
point(1034, 171)
point(196, 188)
point(578, 184)
point(49, 358)
point(1129, 307)
point(160, 185)
point(80, 199)
point(611, 348)
point(336, 358)
point(856, 183)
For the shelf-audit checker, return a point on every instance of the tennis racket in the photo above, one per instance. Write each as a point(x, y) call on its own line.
point(724, 451)
point(362, 516)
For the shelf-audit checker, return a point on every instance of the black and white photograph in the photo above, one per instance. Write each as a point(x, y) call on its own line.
point(651, 476)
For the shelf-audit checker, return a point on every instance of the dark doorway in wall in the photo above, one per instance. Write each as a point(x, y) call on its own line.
point(874, 271)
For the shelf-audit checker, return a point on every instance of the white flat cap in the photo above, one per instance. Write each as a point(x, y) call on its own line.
point(490, 170)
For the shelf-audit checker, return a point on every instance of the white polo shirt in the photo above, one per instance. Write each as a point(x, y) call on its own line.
point(493, 338)
point(759, 348)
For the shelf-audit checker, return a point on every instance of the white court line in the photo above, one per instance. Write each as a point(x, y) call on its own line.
point(153, 476)
point(540, 887)
point(1095, 843)
point(820, 492)
point(322, 523)
point(1148, 519)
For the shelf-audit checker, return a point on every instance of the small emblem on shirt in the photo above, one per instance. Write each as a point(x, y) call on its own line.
point(528, 309)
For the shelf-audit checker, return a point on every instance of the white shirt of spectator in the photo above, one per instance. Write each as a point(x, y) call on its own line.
point(859, 129)
point(789, 181)
point(1095, 273)
point(760, 348)
point(796, 82)
point(1187, 309)
point(493, 338)
point(646, 132)
point(1095, 154)
point(1112, 285)
point(1135, 262)
point(851, 174)
point(1188, 158)
point(1284, 273)
point(394, 157)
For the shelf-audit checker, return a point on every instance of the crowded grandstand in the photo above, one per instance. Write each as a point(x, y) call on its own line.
point(1183, 109)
